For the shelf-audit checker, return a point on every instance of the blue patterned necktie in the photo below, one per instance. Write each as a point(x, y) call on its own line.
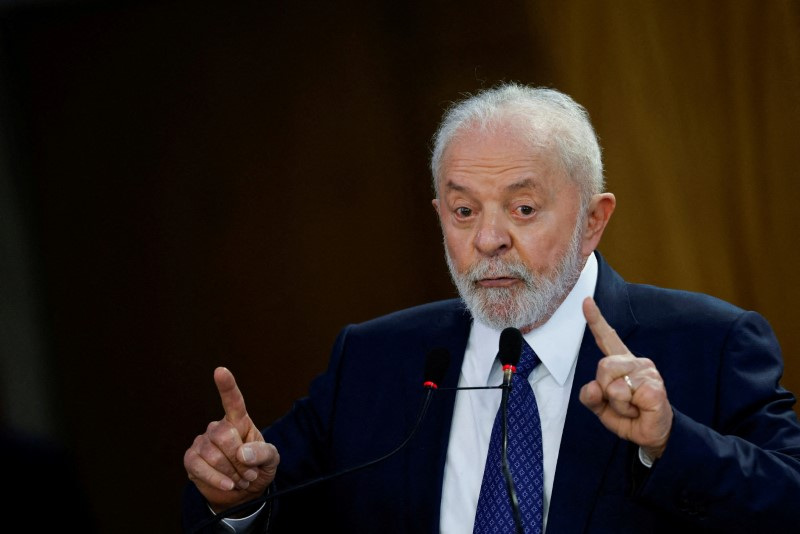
point(524, 460)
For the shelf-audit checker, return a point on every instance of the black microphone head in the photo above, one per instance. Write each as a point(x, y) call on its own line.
point(510, 346)
point(436, 365)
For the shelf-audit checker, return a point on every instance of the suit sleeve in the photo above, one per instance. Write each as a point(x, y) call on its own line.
point(741, 471)
point(305, 431)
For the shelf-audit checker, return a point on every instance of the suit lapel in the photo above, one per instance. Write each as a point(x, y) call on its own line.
point(586, 445)
point(428, 450)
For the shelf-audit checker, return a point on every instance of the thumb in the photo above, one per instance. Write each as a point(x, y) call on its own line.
point(591, 396)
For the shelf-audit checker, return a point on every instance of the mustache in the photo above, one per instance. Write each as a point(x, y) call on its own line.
point(497, 268)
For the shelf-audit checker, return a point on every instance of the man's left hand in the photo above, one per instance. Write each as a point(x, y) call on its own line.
point(628, 394)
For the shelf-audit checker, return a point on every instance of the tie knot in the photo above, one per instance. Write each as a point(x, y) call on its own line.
point(527, 360)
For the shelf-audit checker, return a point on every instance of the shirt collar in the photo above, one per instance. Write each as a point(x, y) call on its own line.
point(556, 342)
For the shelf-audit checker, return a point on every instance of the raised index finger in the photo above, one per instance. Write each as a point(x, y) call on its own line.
point(231, 396)
point(605, 336)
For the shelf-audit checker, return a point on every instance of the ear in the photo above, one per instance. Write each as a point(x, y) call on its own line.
point(435, 203)
point(598, 214)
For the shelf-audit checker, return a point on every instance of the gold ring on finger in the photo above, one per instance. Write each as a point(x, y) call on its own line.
point(628, 381)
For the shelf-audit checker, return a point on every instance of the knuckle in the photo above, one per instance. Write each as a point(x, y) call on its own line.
point(189, 457)
point(213, 456)
point(605, 364)
point(228, 439)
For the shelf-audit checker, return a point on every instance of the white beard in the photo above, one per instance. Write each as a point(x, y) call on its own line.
point(528, 306)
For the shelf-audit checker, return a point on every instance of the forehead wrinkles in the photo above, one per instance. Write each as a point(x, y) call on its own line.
point(494, 154)
point(497, 164)
point(517, 172)
point(521, 167)
point(473, 160)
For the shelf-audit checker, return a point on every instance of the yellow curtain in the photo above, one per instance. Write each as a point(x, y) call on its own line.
point(697, 105)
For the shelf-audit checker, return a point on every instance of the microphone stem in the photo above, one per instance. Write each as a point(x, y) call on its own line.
point(267, 497)
point(512, 494)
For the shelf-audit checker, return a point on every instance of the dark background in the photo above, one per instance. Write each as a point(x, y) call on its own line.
point(194, 184)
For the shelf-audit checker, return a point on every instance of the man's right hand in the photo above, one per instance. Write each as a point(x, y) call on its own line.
point(231, 463)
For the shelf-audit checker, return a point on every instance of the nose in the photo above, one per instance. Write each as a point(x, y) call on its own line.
point(492, 237)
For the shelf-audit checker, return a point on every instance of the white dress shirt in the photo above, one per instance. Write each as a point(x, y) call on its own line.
point(557, 343)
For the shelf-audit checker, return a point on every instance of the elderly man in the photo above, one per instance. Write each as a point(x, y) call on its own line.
point(633, 408)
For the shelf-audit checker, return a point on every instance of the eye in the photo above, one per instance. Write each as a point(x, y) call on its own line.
point(526, 210)
point(463, 212)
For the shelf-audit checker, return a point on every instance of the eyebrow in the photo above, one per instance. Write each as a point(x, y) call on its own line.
point(525, 183)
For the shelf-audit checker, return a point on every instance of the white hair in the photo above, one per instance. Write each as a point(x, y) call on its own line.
point(546, 118)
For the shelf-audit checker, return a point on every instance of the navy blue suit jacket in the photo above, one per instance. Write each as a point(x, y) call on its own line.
point(732, 462)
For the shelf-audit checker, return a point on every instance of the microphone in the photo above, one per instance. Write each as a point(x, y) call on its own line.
point(509, 355)
point(436, 363)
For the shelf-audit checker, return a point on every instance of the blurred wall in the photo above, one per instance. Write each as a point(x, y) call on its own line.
point(230, 183)
point(696, 105)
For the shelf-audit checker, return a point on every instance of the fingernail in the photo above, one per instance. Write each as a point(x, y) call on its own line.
point(227, 484)
point(251, 474)
point(243, 484)
point(248, 454)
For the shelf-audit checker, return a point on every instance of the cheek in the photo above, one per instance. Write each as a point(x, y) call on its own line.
point(542, 254)
point(457, 249)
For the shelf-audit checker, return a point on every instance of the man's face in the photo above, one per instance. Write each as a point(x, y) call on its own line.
point(512, 234)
